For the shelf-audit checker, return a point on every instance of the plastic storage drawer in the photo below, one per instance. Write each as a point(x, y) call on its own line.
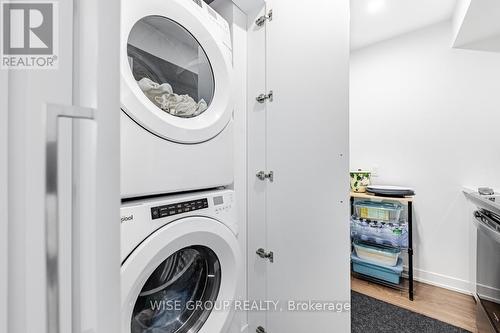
point(390, 234)
point(378, 211)
point(377, 254)
point(390, 274)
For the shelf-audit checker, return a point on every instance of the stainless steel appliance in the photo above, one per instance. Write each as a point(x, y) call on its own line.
point(488, 271)
point(487, 293)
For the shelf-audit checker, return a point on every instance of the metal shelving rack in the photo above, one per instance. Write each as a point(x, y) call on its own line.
point(408, 202)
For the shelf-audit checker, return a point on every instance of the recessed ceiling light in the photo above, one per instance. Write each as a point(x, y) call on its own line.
point(376, 6)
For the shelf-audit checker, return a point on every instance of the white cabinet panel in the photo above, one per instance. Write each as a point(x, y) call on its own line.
point(305, 145)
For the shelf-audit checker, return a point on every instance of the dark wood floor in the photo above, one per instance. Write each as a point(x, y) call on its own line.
point(451, 307)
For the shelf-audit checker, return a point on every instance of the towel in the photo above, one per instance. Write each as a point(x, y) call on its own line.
point(163, 96)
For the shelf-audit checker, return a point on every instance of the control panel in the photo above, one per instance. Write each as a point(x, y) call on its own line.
point(178, 208)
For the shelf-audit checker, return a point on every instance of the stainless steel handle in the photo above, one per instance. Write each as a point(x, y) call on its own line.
point(486, 225)
point(52, 116)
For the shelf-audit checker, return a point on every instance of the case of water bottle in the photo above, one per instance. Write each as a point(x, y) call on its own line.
point(378, 232)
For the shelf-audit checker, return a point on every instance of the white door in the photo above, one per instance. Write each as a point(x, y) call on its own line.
point(63, 182)
point(301, 213)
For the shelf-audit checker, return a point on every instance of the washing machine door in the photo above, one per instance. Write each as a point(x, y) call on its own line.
point(175, 70)
point(178, 279)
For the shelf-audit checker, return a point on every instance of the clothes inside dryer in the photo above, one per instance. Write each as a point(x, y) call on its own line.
point(170, 67)
point(168, 301)
point(163, 96)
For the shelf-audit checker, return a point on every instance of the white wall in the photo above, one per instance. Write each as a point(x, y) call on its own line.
point(427, 116)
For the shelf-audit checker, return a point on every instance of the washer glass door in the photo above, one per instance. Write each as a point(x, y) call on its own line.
point(170, 300)
point(170, 67)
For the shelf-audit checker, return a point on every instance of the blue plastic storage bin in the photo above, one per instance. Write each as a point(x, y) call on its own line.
point(390, 274)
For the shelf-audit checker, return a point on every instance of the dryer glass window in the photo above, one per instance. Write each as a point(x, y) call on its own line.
point(170, 67)
point(167, 302)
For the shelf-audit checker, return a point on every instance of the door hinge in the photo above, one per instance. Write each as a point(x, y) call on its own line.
point(262, 20)
point(265, 255)
point(260, 329)
point(262, 98)
point(262, 175)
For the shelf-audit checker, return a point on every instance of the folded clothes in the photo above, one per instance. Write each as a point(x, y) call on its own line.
point(162, 96)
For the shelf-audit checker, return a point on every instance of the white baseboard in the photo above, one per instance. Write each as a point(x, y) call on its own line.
point(442, 281)
point(489, 293)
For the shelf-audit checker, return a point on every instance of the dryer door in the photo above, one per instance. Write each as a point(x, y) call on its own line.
point(175, 70)
point(176, 277)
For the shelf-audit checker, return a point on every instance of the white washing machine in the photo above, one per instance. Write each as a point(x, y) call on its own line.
point(176, 124)
point(179, 252)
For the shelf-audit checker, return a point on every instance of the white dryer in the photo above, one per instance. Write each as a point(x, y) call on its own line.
point(176, 124)
point(179, 252)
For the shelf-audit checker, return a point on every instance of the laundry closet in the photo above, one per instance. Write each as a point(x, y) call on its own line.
point(227, 110)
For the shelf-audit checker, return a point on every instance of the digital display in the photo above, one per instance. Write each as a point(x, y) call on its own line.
point(218, 200)
point(178, 208)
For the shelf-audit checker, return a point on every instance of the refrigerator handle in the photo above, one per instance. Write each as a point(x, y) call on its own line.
point(53, 113)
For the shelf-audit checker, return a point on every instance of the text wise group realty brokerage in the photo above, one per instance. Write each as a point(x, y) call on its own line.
point(252, 305)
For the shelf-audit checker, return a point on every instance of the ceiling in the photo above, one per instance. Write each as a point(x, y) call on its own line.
point(480, 22)
point(373, 21)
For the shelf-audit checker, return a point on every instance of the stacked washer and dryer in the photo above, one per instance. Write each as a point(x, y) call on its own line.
point(179, 246)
